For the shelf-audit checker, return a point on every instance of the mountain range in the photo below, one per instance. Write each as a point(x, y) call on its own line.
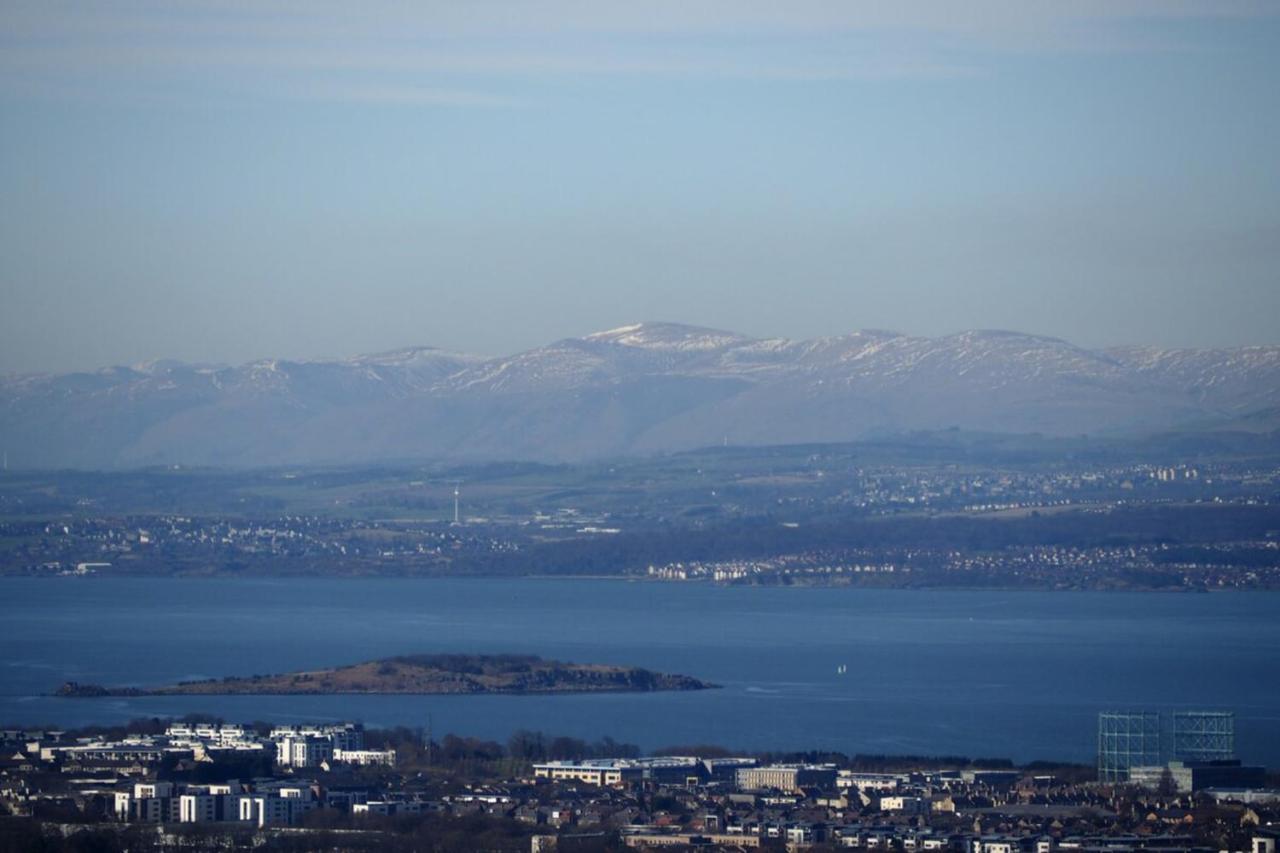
point(644, 388)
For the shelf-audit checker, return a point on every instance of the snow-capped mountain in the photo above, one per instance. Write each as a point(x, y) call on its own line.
point(638, 388)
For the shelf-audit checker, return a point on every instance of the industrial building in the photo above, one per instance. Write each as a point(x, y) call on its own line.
point(1186, 777)
point(1127, 739)
point(1137, 745)
point(1204, 736)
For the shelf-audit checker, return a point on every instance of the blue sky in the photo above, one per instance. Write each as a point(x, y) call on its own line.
point(221, 181)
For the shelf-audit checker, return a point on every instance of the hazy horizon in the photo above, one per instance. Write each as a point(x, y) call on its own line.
point(335, 356)
point(223, 182)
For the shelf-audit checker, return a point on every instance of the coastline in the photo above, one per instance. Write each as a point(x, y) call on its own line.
point(418, 675)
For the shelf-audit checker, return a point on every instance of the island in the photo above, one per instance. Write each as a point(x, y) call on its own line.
point(422, 674)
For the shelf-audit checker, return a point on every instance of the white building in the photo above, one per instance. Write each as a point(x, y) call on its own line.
point(208, 803)
point(341, 735)
point(366, 757)
point(149, 802)
point(786, 777)
point(868, 781)
point(270, 810)
point(303, 751)
point(615, 771)
point(388, 807)
point(209, 734)
point(197, 808)
point(602, 772)
point(906, 805)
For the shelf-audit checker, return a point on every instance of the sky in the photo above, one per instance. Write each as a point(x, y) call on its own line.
point(221, 181)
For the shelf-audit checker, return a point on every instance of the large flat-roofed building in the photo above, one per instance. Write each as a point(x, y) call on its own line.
point(787, 777)
point(906, 805)
point(726, 769)
point(341, 735)
point(868, 781)
point(602, 772)
point(272, 810)
point(995, 778)
point(117, 753)
point(198, 808)
point(209, 803)
point(303, 751)
point(618, 771)
point(649, 840)
point(222, 735)
point(672, 769)
point(1197, 775)
point(366, 757)
point(165, 802)
point(148, 802)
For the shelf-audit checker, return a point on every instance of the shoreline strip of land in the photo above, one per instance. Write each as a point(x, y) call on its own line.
point(439, 674)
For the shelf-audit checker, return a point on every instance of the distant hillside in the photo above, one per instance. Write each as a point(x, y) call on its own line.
point(651, 387)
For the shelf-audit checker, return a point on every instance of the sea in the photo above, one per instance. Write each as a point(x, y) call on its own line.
point(991, 674)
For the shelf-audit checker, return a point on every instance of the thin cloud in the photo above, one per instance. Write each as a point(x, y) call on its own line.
point(232, 44)
point(399, 95)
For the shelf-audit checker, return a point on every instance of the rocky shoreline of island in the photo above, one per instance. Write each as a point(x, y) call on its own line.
point(434, 674)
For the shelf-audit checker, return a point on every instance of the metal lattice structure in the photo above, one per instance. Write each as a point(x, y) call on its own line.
point(1204, 735)
point(1127, 739)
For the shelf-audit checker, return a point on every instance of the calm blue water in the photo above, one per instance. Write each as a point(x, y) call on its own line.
point(1018, 675)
